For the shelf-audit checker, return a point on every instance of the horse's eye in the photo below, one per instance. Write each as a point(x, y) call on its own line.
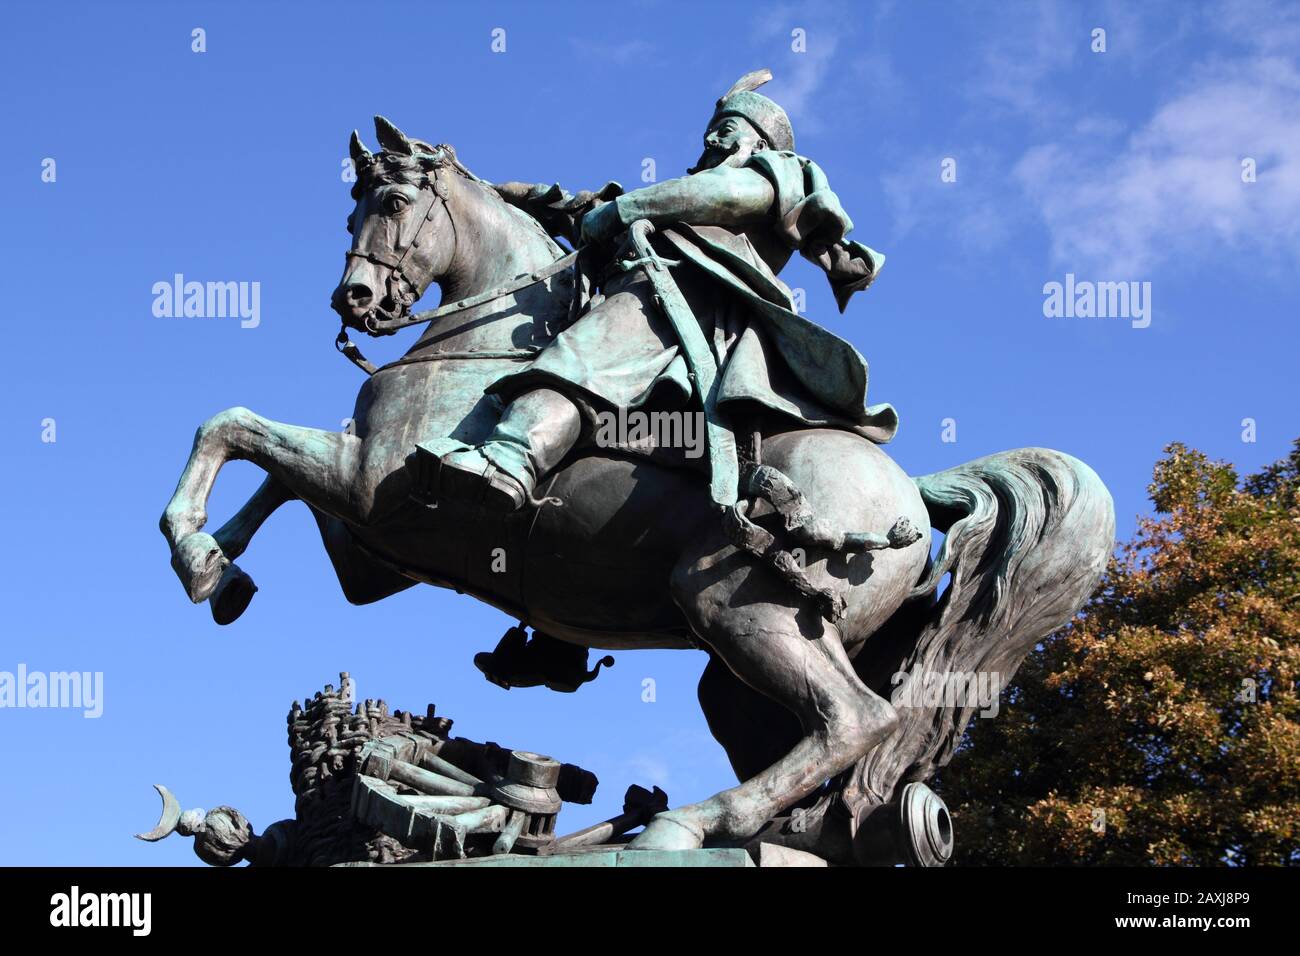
point(395, 203)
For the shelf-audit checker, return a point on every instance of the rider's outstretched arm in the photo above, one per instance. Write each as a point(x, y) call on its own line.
point(723, 196)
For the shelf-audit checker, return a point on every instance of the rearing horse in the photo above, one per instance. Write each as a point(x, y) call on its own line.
point(626, 553)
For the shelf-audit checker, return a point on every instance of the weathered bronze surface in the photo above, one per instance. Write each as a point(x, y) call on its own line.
point(792, 550)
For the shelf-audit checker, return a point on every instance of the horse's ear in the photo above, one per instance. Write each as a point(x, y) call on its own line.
point(357, 149)
point(391, 138)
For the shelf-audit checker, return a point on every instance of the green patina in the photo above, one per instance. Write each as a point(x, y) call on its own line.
point(807, 541)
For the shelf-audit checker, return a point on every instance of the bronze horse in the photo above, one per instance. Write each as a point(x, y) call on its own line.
point(623, 552)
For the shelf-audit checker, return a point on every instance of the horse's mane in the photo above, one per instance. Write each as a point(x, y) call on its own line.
point(413, 169)
point(389, 166)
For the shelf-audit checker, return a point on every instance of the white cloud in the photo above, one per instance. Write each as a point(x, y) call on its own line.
point(797, 77)
point(1174, 188)
point(688, 765)
point(804, 83)
point(1263, 25)
point(1025, 46)
point(648, 770)
point(634, 53)
point(972, 211)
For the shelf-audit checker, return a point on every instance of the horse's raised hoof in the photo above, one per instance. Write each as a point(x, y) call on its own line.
point(230, 599)
point(199, 563)
point(667, 832)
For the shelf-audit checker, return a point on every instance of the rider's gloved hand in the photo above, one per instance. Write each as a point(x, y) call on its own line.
point(602, 224)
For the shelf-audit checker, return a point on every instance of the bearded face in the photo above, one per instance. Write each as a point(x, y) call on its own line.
point(729, 142)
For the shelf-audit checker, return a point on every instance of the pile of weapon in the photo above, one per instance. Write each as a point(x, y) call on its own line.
point(326, 736)
point(378, 787)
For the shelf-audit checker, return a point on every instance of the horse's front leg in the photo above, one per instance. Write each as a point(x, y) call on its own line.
point(235, 535)
point(320, 467)
point(235, 590)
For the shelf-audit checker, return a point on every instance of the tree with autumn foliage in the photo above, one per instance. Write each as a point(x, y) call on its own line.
point(1162, 726)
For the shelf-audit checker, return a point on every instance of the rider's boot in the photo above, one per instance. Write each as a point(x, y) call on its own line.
point(537, 430)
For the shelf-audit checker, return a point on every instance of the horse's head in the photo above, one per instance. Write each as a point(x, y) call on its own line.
point(403, 238)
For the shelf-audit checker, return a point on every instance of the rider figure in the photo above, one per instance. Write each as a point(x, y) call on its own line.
point(733, 223)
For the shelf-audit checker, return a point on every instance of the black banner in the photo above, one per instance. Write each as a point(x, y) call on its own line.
point(401, 904)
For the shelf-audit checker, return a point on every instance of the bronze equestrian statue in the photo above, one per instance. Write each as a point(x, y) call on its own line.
point(793, 551)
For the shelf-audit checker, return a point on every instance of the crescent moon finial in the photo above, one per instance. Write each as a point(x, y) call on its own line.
point(171, 815)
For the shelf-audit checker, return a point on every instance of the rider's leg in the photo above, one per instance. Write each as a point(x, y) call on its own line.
point(615, 353)
point(537, 430)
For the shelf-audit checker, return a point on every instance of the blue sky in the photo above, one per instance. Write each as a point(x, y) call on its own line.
point(1123, 165)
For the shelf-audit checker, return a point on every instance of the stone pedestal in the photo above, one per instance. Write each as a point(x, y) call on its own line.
point(768, 855)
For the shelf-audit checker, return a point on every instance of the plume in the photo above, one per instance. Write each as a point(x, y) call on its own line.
point(749, 82)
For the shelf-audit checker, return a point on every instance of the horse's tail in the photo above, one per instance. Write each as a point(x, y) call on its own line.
point(1027, 537)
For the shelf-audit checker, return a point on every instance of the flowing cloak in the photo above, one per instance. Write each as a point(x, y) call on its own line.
point(623, 354)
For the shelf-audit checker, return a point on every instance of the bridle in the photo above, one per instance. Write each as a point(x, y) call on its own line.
point(403, 291)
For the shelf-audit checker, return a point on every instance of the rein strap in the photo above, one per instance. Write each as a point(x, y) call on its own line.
point(389, 326)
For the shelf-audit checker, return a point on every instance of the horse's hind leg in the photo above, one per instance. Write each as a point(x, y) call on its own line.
point(785, 650)
point(733, 710)
point(317, 466)
point(363, 579)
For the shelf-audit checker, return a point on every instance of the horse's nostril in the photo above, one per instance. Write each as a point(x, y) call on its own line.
point(353, 298)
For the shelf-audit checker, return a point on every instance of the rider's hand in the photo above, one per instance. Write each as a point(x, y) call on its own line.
point(601, 224)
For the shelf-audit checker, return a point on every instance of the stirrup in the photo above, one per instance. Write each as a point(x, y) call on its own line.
point(520, 662)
